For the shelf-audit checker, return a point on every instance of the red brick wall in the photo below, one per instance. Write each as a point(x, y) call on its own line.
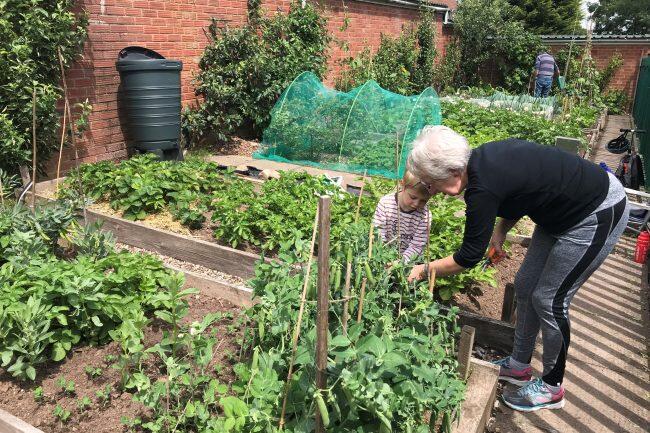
point(626, 76)
point(175, 28)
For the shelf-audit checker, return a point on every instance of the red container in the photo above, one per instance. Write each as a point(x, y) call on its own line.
point(642, 245)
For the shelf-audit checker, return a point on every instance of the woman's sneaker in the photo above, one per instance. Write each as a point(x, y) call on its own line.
point(534, 396)
point(513, 375)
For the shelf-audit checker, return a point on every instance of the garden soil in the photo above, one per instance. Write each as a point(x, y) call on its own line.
point(17, 397)
point(486, 300)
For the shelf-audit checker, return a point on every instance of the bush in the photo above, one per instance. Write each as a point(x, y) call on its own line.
point(244, 70)
point(487, 36)
point(31, 32)
point(403, 65)
point(616, 101)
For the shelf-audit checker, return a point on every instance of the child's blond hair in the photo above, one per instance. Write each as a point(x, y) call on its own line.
point(409, 181)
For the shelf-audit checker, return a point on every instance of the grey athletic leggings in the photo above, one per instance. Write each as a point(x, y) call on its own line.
point(552, 272)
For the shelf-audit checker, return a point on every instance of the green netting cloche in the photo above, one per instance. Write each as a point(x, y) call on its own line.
point(367, 129)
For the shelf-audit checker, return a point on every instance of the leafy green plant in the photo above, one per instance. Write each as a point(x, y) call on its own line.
point(382, 374)
point(93, 372)
point(243, 70)
point(616, 101)
point(49, 304)
point(62, 414)
point(67, 386)
point(402, 64)
point(131, 424)
point(104, 394)
point(83, 404)
point(31, 36)
point(38, 394)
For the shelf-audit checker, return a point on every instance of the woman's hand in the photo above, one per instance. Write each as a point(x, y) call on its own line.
point(417, 273)
point(496, 242)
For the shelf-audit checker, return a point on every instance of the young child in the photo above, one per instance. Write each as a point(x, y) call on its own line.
point(410, 203)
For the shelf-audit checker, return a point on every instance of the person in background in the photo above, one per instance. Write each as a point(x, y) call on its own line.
point(545, 70)
point(408, 207)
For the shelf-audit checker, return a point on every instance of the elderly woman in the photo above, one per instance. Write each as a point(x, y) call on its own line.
point(580, 211)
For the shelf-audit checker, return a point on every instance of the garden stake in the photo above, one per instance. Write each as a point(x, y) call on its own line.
point(432, 278)
point(296, 331)
point(365, 280)
point(58, 165)
point(363, 183)
point(34, 149)
point(399, 211)
point(72, 133)
point(346, 294)
point(322, 308)
point(2, 194)
point(361, 296)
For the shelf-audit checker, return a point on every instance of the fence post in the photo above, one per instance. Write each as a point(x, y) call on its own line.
point(322, 304)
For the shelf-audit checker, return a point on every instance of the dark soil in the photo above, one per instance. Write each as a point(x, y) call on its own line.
point(18, 398)
point(486, 300)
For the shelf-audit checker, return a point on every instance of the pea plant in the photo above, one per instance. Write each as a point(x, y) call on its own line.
point(390, 366)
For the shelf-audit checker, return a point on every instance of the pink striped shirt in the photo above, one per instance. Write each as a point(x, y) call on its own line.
point(413, 226)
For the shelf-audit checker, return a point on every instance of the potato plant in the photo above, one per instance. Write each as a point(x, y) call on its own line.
point(51, 300)
point(281, 212)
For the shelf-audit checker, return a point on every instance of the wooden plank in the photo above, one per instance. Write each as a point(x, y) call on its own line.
point(495, 334)
point(479, 398)
point(200, 252)
point(12, 424)
point(237, 295)
point(508, 308)
point(465, 347)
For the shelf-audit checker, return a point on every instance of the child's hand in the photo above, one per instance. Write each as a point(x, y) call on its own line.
point(392, 264)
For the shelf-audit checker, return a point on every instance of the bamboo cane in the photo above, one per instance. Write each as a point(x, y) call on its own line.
point(363, 184)
point(346, 294)
point(34, 149)
point(72, 133)
point(432, 278)
point(296, 332)
point(2, 194)
point(362, 295)
point(63, 125)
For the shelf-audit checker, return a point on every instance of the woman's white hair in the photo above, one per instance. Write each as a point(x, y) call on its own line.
point(437, 152)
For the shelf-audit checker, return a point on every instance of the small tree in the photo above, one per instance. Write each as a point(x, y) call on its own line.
point(629, 17)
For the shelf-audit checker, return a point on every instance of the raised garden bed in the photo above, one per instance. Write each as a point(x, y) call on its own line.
point(491, 331)
point(22, 414)
point(94, 385)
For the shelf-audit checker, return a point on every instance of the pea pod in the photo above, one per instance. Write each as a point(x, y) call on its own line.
point(256, 358)
point(357, 276)
point(322, 408)
point(371, 278)
point(337, 278)
point(260, 329)
point(385, 426)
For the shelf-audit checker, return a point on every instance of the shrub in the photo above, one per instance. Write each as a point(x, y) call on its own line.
point(244, 70)
point(403, 64)
point(31, 33)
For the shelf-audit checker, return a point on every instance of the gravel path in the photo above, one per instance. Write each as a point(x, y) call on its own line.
point(190, 267)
